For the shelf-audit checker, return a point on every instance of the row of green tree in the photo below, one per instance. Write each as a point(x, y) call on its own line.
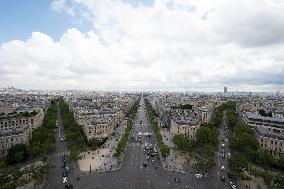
point(202, 148)
point(246, 148)
point(123, 141)
point(164, 149)
point(41, 143)
point(15, 176)
point(75, 137)
point(43, 139)
point(133, 110)
point(230, 108)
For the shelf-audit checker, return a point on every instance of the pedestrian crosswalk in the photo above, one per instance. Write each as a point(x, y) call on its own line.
point(58, 154)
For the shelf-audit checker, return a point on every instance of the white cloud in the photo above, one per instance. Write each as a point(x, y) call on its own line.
point(174, 44)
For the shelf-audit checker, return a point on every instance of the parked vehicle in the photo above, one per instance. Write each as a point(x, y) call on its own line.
point(145, 164)
point(64, 180)
point(233, 186)
point(67, 169)
point(228, 155)
point(64, 174)
point(223, 178)
point(68, 186)
point(223, 168)
point(198, 176)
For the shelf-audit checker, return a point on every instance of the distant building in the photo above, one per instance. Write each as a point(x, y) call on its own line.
point(225, 89)
point(5, 108)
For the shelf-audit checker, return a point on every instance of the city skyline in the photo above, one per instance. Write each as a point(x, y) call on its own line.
point(142, 45)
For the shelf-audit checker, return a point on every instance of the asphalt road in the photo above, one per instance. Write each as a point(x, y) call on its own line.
point(55, 178)
point(216, 172)
point(132, 174)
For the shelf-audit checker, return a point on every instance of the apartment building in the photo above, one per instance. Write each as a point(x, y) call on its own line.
point(16, 128)
point(185, 122)
point(103, 125)
point(269, 131)
point(273, 142)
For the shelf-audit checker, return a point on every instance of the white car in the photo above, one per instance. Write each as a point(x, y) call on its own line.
point(228, 155)
point(223, 168)
point(233, 186)
point(198, 176)
point(64, 180)
point(223, 145)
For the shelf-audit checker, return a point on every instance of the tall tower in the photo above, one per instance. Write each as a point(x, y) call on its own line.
point(225, 89)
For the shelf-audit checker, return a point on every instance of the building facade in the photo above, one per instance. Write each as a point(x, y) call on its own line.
point(269, 131)
point(189, 130)
point(17, 128)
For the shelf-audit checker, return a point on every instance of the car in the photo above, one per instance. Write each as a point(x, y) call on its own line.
point(233, 186)
point(64, 180)
point(228, 155)
point(63, 158)
point(67, 169)
point(145, 164)
point(68, 186)
point(223, 145)
point(64, 174)
point(223, 168)
point(61, 140)
point(153, 161)
point(198, 175)
point(223, 178)
point(63, 165)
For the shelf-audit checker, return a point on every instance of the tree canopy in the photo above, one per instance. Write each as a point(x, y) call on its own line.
point(17, 153)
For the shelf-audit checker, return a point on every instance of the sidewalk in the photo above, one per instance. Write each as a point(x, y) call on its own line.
point(170, 163)
point(102, 160)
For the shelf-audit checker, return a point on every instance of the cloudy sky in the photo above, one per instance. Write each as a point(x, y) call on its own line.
point(200, 45)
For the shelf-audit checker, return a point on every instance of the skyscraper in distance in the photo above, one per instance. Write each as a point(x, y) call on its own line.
point(225, 89)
